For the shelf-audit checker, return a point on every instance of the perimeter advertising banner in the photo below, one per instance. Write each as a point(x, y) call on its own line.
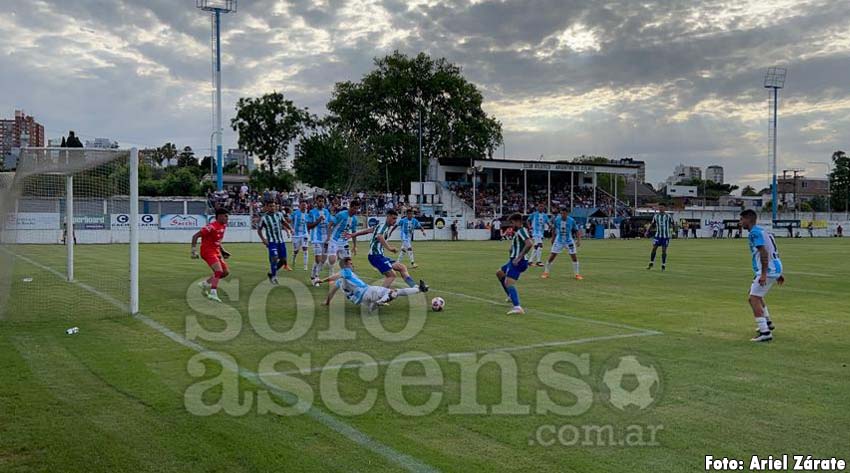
point(32, 221)
point(146, 221)
point(182, 222)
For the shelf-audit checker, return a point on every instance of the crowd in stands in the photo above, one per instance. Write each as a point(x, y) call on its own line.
point(244, 200)
point(487, 199)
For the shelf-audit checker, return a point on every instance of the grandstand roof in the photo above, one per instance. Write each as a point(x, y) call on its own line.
point(562, 166)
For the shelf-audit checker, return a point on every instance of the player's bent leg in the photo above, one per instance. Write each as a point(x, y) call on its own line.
point(402, 269)
point(389, 278)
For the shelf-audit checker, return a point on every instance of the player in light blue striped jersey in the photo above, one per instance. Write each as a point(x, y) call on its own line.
point(406, 227)
point(538, 220)
point(342, 225)
point(317, 224)
point(510, 272)
point(663, 223)
point(768, 271)
point(300, 235)
point(562, 238)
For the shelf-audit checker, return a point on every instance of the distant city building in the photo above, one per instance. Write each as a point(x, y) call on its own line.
point(54, 142)
point(802, 189)
point(682, 191)
point(641, 172)
point(241, 158)
point(101, 143)
point(19, 132)
point(714, 174)
point(683, 173)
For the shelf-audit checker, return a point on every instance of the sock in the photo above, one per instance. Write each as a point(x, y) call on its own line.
point(274, 266)
point(214, 292)
point(315, 272)
point(410, 255)
point(761, 323)
point(652, 257)
point(515, 295)
point(765, 313)
point(575, 267)
point(663, 258)
point(410, 282)
point(214, 281)
point(548, 266)
point(407, 291)
point(306, 258)
point(538, 254)
point(281, 263)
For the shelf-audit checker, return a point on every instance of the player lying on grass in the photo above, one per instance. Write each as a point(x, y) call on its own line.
point(212, 252)
point(272, 226)
point(508, 275)
point(387, 267)
point(562, 237)
point(663, 223)
point(358, 292)
point(407, 226)
point(768, 271)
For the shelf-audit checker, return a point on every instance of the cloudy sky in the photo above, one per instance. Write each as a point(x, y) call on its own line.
point(667, 81)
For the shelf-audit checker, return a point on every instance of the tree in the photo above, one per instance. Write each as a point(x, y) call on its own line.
point(331, 160)
point(267, 125)
point(186, 158)
point(265, 179)
point(839, 181)
point(167, 153)
point(180, 182)
point(382, 113)
point(749, 191)
point(72, 141)
point(818, 203)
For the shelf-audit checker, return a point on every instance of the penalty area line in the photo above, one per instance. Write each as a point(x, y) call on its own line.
point(345, 429)
point(443, 356)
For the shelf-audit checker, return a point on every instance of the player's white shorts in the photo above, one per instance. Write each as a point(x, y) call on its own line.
point(319, 249)
point(374, 294)
point(299, 241)
point(538, 239)
point(406, 244)
point(338, 248)
point(758, 290)
point(558, 247)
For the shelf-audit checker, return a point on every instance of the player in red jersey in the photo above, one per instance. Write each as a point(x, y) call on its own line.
point(212, 252)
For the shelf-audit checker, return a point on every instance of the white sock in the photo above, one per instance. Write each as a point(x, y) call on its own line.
point(548, 266)
point(306, 258)
point(761, 323)
point(766, 314)
point(410, 255)
point(213, 292)
point(315, 271)
point(408, 291)
point(575, 267)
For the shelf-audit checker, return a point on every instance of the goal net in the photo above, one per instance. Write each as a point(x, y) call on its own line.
point(69, 234)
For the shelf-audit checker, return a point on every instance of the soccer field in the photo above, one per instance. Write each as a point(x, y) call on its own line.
point(627, 370)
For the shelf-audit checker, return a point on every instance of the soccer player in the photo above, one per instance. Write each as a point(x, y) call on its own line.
point(299, 232)
point(272, 226)
point(562, 238)
point(768, 271)
point(538, 220)
point(407, 226)
point(342, 226)
point(359, 292)
point(317, 224)
point(380, 236)
point(517, 264)
point(663, 223)
point(212, 252)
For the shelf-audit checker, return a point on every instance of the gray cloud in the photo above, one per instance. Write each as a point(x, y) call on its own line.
point(664, 80)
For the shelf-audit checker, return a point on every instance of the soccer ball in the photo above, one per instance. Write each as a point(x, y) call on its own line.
point(437, 304)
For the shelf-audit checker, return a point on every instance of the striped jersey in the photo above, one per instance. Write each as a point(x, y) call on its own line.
point(375, 246)
point(407, 226)
point(538, 220)
point(319, 233)
point(352, 286)
point(663, 225)
point(564, 229)
point(760, 238)
point(272, 224)
point(518, 242)
point(299, 223)
point(343, 223)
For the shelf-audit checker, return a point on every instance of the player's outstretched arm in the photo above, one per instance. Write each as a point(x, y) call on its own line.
point(331, 294)
point(365, 231)
point(195, 238)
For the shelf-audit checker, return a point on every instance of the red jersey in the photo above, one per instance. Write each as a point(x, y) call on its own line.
point(211, 236)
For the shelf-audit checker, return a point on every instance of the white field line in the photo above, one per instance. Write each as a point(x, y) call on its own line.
point(407, 462)
point(442, 356)
point(564, 316)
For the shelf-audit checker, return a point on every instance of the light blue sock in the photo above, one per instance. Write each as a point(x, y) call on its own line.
point(410, 282)
point(514, 295)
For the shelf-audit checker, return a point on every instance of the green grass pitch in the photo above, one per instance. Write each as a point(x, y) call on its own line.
point(113, 397)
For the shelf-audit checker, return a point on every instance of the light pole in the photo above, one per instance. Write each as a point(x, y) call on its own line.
point(828, 187)
point(774, 80)
point(421, 184)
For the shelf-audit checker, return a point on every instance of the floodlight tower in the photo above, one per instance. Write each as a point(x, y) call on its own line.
point(773, 80)
point(216, 8)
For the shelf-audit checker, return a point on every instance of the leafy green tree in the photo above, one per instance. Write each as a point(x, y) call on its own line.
point(749, 191)
point(180, 182)
point(333, 161)
point(267, 125)
point(818, 203)
point(381, 112)
point(839, 181)
point(264, 179)
point(187, 158)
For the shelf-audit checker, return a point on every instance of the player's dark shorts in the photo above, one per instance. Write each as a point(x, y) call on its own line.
point(381, 263)
point(514, 271)
point(277, 250)
point(662, 242)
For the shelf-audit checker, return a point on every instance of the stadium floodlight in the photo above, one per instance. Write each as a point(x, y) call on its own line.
point(773, 80)
point(216, 8)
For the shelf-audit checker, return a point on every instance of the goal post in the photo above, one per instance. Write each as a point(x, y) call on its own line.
point(72, 214)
